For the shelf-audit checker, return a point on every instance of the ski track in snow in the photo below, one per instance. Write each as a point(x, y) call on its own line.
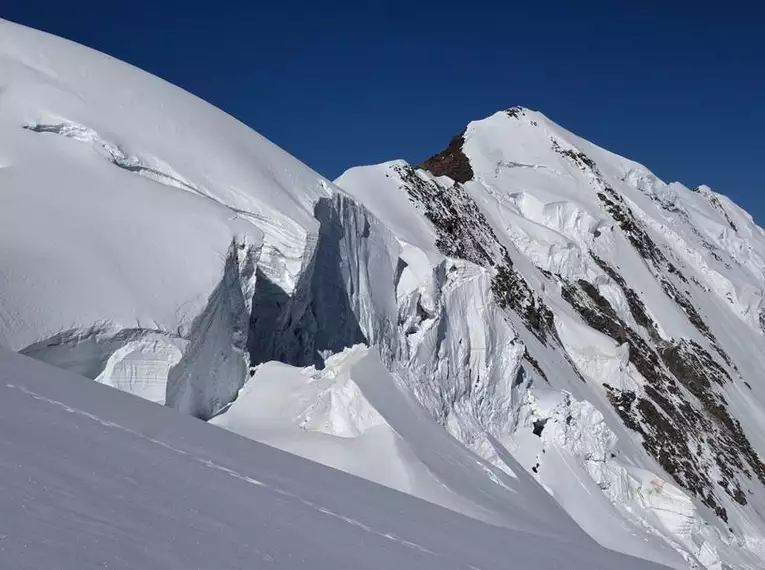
point(94, 478)
point(222, 469)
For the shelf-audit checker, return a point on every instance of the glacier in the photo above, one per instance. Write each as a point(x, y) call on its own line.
point(526, 329)
point(96, 478)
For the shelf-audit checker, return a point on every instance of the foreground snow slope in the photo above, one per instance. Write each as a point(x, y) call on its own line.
point(93, 478)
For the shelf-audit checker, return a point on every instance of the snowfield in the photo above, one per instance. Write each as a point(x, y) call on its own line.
point(94, 478)
point(536, 334)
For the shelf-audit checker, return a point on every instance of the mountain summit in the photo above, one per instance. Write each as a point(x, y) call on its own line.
point(639, 305)
point(526, 328)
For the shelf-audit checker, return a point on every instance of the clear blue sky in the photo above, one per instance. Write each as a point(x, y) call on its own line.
point(678, 86)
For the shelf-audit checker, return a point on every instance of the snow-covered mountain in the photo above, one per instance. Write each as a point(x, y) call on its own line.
point(639, 306)
point(526, 329)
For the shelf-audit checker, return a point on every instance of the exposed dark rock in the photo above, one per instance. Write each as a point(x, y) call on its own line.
point(512, 292)
point(622, 401)
point(688, 360)
point(688, 308)
point(665, 439)
point(580, 159)
point(464, 232)
point(600, 315)
point(677, 375)
point(682, 418)
point(716, 203)
point(539, 426)
point(616, 207)
point(693, 316)
point(643, 243)
point(675, 271)
point(535, 364)
point(636, 305)
point(638, 237)
point(451, 162)
point(515, 112)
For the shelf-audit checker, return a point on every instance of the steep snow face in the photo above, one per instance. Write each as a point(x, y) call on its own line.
point(134, 219)
point(355, 416)
point(633, 308)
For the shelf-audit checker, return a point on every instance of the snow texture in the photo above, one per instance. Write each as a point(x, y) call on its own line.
point(636, 401)
point(530, 331)
point(94, 478)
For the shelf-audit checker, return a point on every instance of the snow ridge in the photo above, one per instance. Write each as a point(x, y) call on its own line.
point(661, 366)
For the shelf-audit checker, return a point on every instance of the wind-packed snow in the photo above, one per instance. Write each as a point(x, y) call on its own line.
point(530, 331)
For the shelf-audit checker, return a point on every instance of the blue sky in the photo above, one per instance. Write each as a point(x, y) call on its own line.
point(678, 86)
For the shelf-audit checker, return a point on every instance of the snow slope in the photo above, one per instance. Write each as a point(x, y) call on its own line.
point(93, 478)
point(165, 247)
point(531, 331)
point(637, 404)
point(143, 208)
point(353, 416)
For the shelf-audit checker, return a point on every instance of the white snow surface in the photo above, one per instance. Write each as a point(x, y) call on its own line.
point(131, 205)
point(540, 189)
point(95, 478)
point(407, 329)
